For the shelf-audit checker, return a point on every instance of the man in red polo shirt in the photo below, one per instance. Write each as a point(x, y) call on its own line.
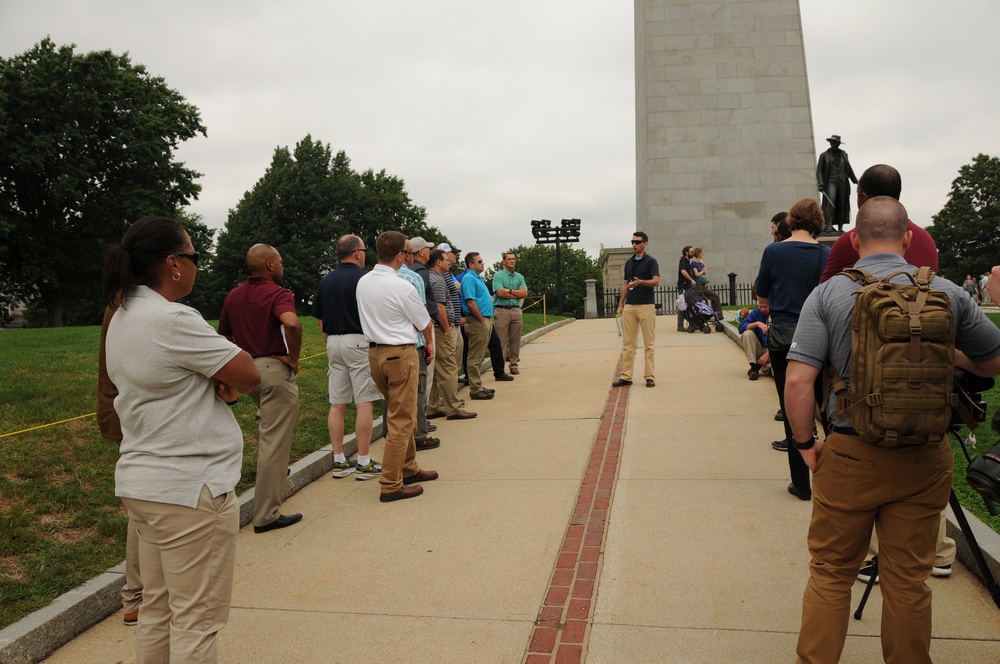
point(253, 317)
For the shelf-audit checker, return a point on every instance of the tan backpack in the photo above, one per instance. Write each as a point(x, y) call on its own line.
point(902, 364)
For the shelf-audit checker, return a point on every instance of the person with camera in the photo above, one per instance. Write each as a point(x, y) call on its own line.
point(905, 485)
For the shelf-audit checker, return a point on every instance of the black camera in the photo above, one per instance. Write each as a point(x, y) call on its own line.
point(983, 473)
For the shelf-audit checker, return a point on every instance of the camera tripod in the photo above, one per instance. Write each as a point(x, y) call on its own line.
point(977, 553)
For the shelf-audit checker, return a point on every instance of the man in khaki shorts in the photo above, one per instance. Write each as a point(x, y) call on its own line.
point(336, 307)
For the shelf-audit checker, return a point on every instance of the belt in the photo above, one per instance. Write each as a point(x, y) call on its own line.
point(506, 306)
point(372, 344)
point(847, 431)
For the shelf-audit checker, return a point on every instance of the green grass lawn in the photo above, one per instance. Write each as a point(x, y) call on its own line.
point(60, 522)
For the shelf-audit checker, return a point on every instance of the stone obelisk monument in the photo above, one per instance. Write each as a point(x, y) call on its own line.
point(724, 135)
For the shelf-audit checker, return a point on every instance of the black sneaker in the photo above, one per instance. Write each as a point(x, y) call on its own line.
point(780, 445)
point(865, 575)
point(779, 416)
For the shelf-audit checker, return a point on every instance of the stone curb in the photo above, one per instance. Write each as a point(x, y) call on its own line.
point(987, 538)
point(39, 634)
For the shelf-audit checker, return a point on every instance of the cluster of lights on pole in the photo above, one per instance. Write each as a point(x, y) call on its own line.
point(544, 233)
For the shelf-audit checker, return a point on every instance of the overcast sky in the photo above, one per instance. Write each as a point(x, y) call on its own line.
point(499, 113)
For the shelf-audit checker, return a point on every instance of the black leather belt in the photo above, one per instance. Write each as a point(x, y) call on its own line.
point(372, 344)
point(507, 306)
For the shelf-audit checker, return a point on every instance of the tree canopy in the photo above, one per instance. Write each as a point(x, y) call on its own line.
point(538, 265)
point(307, 198)
point(967, 229)
point(88, 142)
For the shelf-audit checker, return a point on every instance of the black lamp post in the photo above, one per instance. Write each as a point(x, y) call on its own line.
point(543, 232)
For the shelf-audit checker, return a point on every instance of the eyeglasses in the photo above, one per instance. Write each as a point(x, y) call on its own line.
point(479, 262)
point(409, 253)
point(194, 257)
point(637, 241)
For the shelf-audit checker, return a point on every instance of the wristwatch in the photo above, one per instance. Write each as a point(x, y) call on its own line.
point(806, 445)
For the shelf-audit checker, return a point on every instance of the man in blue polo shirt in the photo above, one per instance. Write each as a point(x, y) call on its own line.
point(477, 306)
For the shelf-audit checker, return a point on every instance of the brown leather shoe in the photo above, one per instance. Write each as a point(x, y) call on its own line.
point(428, 443)
point(514, 371)
point(462, 415)
point(503, 377)
point(131, 619)
point(421, 476)
point(621, 382)
point(402, 494)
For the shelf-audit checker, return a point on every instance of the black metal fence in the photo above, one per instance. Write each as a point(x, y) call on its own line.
point(733, 294)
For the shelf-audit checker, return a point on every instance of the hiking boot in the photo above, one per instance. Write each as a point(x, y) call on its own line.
point(343, 468)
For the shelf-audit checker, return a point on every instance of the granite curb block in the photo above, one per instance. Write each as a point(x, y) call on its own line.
point(39, 634)
point(987, 538)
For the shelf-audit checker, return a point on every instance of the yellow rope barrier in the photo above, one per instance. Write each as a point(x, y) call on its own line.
point(80, 417)
point(51, 424)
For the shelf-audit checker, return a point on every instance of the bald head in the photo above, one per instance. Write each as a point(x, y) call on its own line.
point(263, 260)
point(881, 226)
point(879, 180)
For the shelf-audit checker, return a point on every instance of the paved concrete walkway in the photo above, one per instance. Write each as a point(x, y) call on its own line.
point(572, 522)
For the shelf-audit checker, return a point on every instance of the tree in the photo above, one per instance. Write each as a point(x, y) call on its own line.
point(538, 265)
point(88, 143)
point(967, 229)
point(304, 202)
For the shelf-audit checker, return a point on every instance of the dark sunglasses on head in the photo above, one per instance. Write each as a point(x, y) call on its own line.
point(194, 257)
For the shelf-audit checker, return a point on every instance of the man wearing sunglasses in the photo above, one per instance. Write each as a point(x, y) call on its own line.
point(638, 310)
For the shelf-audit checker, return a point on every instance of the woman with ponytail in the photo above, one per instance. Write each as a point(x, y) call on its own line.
point(181, 449)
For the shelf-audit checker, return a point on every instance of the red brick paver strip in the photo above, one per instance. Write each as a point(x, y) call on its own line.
point(563, 623)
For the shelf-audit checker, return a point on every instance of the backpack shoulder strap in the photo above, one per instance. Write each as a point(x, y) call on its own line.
point(859, 275)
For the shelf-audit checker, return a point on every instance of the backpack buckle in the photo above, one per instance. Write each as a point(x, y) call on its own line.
point(874, 399)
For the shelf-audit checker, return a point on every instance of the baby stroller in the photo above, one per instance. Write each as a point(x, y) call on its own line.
point(699, 313)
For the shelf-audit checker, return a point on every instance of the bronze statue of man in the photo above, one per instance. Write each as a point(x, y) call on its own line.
point(832, 174)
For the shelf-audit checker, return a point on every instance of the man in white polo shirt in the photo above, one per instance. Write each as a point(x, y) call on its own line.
point(391, 314)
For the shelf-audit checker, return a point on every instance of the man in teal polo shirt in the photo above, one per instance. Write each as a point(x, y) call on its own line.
point(477, 306)
point(510, 290)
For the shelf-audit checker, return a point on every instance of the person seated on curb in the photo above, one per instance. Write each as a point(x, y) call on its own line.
point(753, 339)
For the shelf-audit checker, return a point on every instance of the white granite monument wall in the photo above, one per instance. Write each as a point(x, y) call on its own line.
point(724, 135)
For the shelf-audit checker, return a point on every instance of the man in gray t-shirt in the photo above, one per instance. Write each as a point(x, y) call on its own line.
point(907, 487)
